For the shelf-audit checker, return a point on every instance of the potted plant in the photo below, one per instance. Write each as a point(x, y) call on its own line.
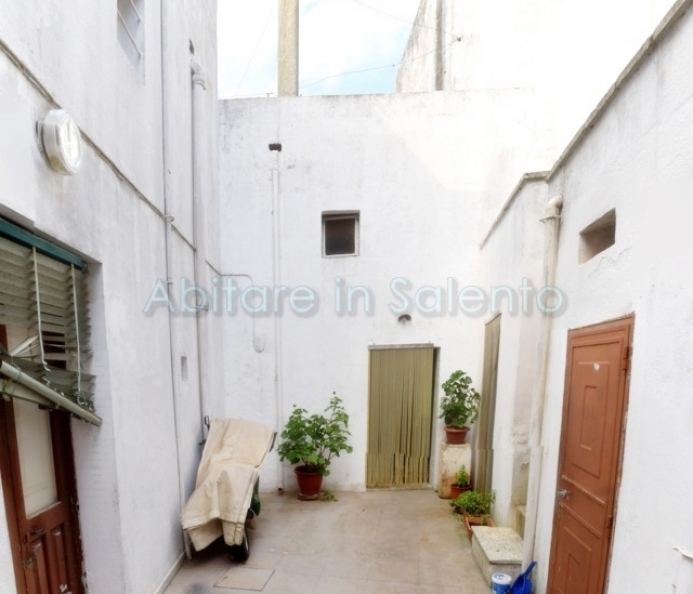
point(312, 441)
point(459, 406)
point(475, 507)
point(461, 483)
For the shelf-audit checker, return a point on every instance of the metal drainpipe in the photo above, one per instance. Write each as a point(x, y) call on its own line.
point(552, 220)
point(199, 85)
point(276, 278)
point(168, 220)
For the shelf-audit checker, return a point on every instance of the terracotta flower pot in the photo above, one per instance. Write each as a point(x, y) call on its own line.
point(456, 435)
point(470, 521)
point(456, 491)
point(309, 483)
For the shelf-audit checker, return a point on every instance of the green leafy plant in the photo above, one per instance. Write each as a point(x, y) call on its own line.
point(462, 477)
point(313, 440)
point(460, 405)
point(326, 495)
point(475, 503)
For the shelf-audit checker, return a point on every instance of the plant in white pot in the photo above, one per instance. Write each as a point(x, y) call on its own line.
point(311, 441)
point(459, 406)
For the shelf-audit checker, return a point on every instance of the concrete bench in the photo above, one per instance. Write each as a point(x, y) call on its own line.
point(497, 550)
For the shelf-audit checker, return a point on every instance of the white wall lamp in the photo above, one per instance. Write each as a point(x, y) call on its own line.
point(61, 141)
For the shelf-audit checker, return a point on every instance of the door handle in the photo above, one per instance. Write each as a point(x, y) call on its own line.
point(562, 493)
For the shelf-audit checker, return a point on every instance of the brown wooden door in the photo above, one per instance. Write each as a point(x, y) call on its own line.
point(45, 545)
point(37, 469)
point(593, 422)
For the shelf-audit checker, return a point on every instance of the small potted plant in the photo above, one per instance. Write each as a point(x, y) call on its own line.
point(461, 483)
point(459, 406)
point(312, 441)
point(475, 506)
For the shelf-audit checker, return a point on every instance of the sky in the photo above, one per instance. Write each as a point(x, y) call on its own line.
point(335, 37)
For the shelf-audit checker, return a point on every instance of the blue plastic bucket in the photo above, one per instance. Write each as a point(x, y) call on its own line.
point(500, 583)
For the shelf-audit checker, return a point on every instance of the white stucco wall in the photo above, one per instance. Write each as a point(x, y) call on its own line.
point(130, 470)
point(567, 53)
point(425, 56)
point(512, 252)
point(636, 159)
point(420, 169)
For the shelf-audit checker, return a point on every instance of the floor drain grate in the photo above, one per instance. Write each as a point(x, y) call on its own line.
point(245, 578)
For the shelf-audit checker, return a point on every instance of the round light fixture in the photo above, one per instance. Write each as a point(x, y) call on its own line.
point(62, 141)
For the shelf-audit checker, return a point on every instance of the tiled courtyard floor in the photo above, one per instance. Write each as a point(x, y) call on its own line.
point(378, 542)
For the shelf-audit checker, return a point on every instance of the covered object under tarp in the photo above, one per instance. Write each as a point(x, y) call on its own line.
point(230, 466)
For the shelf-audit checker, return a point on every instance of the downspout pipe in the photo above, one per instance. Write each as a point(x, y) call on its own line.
point(199, 85)
point(276, 277)
point(552, 222)
point(168, 223)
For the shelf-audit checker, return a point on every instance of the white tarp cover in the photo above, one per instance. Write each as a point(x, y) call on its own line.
point(230, 465)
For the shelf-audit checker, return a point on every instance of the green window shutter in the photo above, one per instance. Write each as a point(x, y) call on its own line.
point(46, 296)
point(16, 279)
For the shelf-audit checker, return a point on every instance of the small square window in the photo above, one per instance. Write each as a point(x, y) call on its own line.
point(340, 233)
point(597, 237)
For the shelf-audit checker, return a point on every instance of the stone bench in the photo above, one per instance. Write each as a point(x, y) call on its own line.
point(497, 550)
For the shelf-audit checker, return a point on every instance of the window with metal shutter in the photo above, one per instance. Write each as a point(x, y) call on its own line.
point(45, 295)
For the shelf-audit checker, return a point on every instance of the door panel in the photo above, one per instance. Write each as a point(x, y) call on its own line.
point(35, 451)
point(46, 562)
point(593, 421)
point(36, 569)
point(58, 547)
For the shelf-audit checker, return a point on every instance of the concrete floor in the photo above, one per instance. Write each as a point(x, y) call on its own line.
point(379, 542)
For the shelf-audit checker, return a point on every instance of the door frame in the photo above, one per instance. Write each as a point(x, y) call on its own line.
point(625, 322)
point(10, 495)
